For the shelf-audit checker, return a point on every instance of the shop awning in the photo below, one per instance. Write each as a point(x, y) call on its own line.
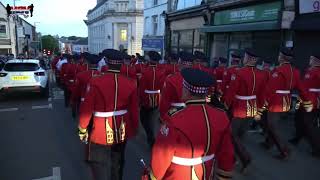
point(306, 23)
point(256, 26)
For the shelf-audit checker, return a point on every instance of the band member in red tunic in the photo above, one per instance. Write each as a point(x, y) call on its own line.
point(218, 74)
point(172, 89)
point(283, 80)
point(231, 70)
point(111, 105)
point(201, 62)
point(244, 98)
point(149, 91)
point(82, 79)
point(308, 123)
point(202, 147)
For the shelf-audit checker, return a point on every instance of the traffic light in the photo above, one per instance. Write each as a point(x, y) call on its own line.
point(49, 52)
point(44, 51)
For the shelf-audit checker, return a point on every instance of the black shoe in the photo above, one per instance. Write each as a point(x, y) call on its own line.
point(245, 166)
point(294, 141)
point(282, 156)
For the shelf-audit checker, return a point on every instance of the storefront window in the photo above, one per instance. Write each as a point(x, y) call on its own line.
point(186, 38)
point(219, 46)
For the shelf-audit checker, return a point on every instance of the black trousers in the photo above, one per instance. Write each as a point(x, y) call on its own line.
point(107, 162)
point(149, 119)
point(307, 126)
point(66, 96)
point(239, 128)
point(275, 135)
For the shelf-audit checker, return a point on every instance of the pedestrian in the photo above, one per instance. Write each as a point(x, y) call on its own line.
point(150, 90)
point(196, 142)
point(283, 80)
point(307, 123)
point(111, 105)
point(171, 92)
point(244, 98)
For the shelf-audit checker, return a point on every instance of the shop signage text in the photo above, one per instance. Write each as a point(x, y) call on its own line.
point(156, 44)
point(263, 12)
point(309, 6)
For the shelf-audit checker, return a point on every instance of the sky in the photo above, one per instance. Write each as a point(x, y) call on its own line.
point(58, 17)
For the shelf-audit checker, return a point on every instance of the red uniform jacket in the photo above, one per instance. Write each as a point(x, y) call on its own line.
point(129, 71)
point(244, 96)
point(171, 94)
point(172, 68)
point(63, 73)
point(278, 90)
point(104, 69)
point(227, 77)
point(150, 86)
point(111, 101)
point(311, 82)
point(71, 72)
point(218, 75)
point(198, 131)
point(82, 80)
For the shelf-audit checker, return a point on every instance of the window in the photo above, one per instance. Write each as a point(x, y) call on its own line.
point(3, 30)
point(17, 67)
point(155, 25)
point(182, 4)
point(146, 29)
point(123, 35)
point(155, 2)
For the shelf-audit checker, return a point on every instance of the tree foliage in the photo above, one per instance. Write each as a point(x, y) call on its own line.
point(49, 43)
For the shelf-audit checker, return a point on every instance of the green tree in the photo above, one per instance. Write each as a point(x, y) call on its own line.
point(49, 43)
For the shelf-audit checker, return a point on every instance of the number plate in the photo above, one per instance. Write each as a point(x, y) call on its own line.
point(20, 78)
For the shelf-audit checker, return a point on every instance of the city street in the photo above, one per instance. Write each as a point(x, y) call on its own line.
point(39, 142)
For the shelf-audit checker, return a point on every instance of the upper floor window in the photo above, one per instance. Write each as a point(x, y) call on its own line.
point(182, 4)
point(3, 30)
point(155, 24)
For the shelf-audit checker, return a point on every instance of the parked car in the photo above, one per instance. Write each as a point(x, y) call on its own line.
point(24, 75)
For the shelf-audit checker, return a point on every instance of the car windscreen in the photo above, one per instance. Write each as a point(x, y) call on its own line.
point(14, 67)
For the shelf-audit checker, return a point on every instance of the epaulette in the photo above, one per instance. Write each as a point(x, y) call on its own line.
point(174, 111)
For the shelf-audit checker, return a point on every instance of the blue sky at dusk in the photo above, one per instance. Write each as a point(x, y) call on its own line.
point(62, 17)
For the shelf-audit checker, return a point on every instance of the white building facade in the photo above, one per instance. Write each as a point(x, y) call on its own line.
point(7, 33)
point(115, 24)
point(154, 25)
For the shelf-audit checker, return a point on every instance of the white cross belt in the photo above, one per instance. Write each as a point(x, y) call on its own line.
point(314, 90)
point(246, 97)
point(152, 91)
point(110, 114)
point(191, 161)
point(282, 91)
point(178, 104)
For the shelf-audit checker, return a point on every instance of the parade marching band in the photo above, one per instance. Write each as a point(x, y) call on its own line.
point(203, 112)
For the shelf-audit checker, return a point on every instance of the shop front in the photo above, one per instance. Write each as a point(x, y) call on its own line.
point(306, 31)
point(255, 26)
